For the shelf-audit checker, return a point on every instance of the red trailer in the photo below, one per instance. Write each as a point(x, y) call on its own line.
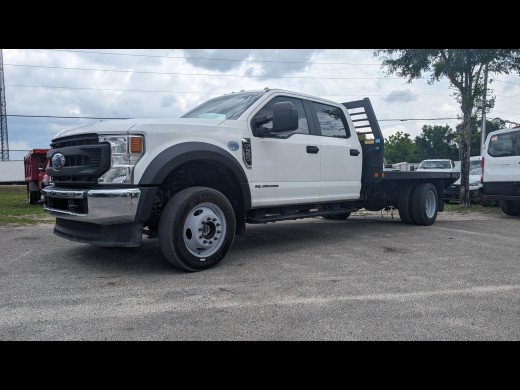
point(35, 163)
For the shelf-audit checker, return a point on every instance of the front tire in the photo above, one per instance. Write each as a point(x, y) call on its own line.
point(424, 204)
point(197, 228)
point(510, 207)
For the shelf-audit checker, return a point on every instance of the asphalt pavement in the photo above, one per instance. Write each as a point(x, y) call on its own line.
point(370, 277)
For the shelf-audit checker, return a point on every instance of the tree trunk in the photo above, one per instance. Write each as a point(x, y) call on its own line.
point(465, 151)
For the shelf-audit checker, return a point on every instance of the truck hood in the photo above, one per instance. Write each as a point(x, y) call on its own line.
point(124, 126)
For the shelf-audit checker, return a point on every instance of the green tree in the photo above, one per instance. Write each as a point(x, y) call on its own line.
point(399, 147)
point(437, 142)
point(465, 70)
point(476, 128)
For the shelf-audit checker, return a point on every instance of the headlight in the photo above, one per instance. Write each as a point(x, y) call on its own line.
point(125, 152)
point(474, 184)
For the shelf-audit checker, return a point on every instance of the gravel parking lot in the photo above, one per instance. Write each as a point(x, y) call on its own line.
point(368, 278)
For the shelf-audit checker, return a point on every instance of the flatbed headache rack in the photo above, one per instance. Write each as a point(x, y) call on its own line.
point(372, 143)
point(370, 137)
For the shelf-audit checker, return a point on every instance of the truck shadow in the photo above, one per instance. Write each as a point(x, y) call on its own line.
point(259, 240)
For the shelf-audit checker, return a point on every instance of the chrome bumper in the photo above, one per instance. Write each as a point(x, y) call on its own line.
point(103, 206)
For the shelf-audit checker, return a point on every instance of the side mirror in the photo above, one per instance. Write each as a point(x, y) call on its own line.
point(285, 117)
point(412, 168)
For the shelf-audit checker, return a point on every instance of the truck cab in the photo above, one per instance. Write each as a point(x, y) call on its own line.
point(35, 164)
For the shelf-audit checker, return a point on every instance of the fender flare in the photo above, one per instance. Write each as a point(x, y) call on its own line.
point(174, 156)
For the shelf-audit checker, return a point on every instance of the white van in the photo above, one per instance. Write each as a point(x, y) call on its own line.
point(501, 169)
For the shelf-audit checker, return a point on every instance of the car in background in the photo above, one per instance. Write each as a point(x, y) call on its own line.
point(436, 165)
point(475, 172)
point(389, 167)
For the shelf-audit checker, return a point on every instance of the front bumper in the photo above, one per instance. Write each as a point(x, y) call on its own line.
point(99, 206)
point(101, 217)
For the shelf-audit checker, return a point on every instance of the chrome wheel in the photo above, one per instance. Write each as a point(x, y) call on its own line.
point(204, 230)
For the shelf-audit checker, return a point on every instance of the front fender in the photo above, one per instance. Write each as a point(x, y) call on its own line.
point(174, 156)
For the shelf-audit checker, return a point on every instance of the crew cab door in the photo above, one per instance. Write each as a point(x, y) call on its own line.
point(341, 154)
point(285, 166)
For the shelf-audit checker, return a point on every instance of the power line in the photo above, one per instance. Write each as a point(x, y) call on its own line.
point(107, 118)
point(205, 74)
point(187, 92)
point(109, 89)
point(62, 117)
point(213, 59)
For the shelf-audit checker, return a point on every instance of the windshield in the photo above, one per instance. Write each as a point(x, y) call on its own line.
point(435, 165)
point(225, 107)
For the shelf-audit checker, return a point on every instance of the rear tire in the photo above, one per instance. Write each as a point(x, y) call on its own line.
point(337, 217)
point(424, 204)
point(197, 228)
point(404, 204)
point(510, 207)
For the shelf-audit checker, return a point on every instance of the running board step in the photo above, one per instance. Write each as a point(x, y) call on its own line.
point(298, 215)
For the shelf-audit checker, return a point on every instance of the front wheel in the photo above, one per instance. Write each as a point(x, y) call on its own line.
point(510, 207)
point(197, 228)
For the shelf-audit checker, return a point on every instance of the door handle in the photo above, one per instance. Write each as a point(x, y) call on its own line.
point(313, 149)
point(354, 152)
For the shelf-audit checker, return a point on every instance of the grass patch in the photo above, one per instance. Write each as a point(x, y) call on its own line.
point(475, 207)
point(15, 209)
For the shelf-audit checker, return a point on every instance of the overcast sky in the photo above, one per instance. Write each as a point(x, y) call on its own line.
point(125, 83)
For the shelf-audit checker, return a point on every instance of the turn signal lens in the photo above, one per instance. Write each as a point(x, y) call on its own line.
point(136, 145)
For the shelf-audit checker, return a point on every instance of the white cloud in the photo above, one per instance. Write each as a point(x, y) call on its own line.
point(165, 84)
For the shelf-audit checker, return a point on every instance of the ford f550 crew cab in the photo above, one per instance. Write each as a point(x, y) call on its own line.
point(249, 157)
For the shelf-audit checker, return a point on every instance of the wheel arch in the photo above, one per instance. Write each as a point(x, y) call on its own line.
point(191, 153)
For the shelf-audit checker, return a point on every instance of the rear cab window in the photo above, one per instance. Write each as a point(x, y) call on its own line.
point(331, 120)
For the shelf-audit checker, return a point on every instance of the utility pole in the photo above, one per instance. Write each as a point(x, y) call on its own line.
point(484, 105)
point(3, 113)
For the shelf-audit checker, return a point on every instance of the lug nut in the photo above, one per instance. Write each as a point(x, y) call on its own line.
point(218, 231)
point(200, 229)
point(211, 242)
point(218, 224)
point(200, 236)
point(209, 218)
point(204, 242)
point(214, 219)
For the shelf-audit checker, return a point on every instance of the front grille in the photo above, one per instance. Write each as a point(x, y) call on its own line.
point(86, 159)
point(74, 140)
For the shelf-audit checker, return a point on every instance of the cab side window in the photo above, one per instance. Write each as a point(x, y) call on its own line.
point(332, 121)
point(267, 110)
point(504, 145)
